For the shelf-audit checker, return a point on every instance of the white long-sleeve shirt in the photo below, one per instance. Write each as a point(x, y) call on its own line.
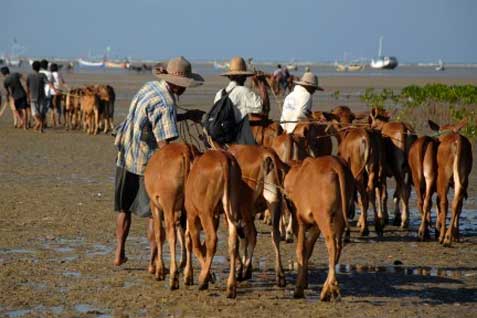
point(244, 99)
point(295, 107)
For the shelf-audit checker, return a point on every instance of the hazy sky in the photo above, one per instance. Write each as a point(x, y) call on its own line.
point(310, 30)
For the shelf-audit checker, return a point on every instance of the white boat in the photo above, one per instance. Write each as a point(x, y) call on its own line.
point(292, 67)
point(219, 66)
point(90, 64)
point(353, 67)
point(440, 66)
point(384, 62)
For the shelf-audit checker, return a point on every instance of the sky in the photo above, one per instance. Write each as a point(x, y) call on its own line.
point(303, 30)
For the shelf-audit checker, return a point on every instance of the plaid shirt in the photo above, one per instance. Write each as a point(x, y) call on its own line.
point(151, 118)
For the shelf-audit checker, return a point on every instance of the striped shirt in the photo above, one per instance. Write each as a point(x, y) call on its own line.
point(151, 118)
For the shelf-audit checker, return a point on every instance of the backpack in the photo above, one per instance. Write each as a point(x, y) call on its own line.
point(219, 122)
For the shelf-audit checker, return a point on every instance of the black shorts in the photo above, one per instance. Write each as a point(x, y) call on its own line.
point(20, 103)
point(130, 193)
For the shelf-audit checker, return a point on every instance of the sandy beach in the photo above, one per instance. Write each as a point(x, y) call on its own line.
point(57, 235)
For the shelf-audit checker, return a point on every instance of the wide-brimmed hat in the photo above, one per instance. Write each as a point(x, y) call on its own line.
point(309, 79)
point(238, 67)
point(178, 71)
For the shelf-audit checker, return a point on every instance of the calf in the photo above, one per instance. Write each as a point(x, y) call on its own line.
point(164, 180)
point(323, 209)
point(72, 108)
point(262, 174)
point(397, 137)
point(361, 150)
point(213, 184)
point(423, 167)
point(454, 164)
point(107, 97)
point(90, 110)
point(313, 138)
point(264, 130)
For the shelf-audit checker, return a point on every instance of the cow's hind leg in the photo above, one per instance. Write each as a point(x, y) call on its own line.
point(275, 207)
point(302, 262)
point(231, 281)
point(211, 247)
point(456, 207)
point(157, 267)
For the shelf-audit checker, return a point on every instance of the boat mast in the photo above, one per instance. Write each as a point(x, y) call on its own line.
point(380, 51)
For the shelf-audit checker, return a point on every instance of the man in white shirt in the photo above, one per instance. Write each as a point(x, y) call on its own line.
point(298, 103)
point(245, 100)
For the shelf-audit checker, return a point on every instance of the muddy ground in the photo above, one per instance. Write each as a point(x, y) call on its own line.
point(57, 241)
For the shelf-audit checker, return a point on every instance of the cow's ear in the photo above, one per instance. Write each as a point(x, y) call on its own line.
point(433, 125)
point(459, 125)
point(374, 112)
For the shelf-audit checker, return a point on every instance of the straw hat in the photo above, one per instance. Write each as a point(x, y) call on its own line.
point(178, 72)
point(238, 67)
point(309, 79)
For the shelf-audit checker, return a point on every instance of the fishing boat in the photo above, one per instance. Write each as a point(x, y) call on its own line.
point(221, 66)
point(440, 66)
point(115, 65)
point(90, 64)
point(384, 62)
point(353, 67)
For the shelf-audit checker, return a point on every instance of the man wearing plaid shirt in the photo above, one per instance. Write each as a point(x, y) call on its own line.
point(150, 124)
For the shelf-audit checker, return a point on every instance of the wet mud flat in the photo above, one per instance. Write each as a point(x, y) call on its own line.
point(57, 242)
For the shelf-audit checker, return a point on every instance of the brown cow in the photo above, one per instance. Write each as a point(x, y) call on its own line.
point(313, 138)
point(72, 108)
point(107, 97)
point(264, 130)
point(214, 183)
point(360, 149)
point(262, 173)
point(164, 180)
point(398, 138)
point(454, 164)
point(324, 210)
point(423, 166)
point(90, 110)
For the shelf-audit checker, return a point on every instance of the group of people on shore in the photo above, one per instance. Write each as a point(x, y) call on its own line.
point(151, 123)
point(43, 93)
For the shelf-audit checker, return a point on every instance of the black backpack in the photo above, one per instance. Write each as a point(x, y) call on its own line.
point(220, 121)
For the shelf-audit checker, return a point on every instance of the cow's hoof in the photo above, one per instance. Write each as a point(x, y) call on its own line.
point(289, 237)
point(330, 292)
point(231, 292)
point(299, 293)
point(397, 220)
point(174, 283)
point(203, 285)
point(281, 282)
point(188, 280)
point(364, 232)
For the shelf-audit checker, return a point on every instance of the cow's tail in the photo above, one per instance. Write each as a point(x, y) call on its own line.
point(364, 149)
point(230, 169)
point(345, 202)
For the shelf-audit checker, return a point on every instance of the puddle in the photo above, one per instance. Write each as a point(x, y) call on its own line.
point(404, 270)
point(17, 313)
point(88, 309)
point(38, 310)
point(4, 251)
point(100, 250)
point(72, 274)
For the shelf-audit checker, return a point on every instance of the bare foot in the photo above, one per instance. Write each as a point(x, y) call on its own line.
point(119, 262)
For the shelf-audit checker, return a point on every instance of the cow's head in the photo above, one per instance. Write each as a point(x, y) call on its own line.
point(455, 128)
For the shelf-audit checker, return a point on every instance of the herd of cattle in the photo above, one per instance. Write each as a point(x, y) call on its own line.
point(90, 108)
point(304, 188)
